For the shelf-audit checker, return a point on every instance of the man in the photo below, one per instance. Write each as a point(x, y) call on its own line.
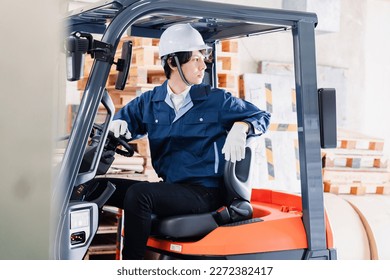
point(186, 123)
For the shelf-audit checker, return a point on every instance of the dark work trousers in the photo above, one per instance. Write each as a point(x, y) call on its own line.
point(141, 199)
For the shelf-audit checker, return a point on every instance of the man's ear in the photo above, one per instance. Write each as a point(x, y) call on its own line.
point(169, 61)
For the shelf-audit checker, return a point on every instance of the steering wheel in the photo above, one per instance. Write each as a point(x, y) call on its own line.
point(112, 142)
point(127, 150)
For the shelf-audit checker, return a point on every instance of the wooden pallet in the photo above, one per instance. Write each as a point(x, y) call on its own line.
point(141, 146)
point(139, 41)
point(354, 140)
point(105, 252)
point(152, 75)
point(230, 46)
point(145, 56)
point(354, 158)
point(228, 80)
point(103, 245)
point(356, 188)
point(228, 62)
point(357, 166)
point(366, 176)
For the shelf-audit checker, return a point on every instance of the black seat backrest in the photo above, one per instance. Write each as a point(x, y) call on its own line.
point(238, 181)
point(237, 176)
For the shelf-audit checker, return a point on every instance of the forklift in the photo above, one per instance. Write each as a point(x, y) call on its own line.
point(280, 225)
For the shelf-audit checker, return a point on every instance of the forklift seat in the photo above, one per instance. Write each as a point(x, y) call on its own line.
point(237, 177)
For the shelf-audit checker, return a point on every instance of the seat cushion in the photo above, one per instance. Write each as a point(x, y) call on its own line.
point(183, 226)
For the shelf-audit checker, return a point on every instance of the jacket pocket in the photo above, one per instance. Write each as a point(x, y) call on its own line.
point(157, 125)
point(200, 123)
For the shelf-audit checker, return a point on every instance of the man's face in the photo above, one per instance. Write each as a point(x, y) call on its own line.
point(194, 69)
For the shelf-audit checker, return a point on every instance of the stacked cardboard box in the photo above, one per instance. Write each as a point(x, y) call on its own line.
point(277, 155)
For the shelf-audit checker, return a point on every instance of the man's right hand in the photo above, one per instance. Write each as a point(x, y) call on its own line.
point(119, 127)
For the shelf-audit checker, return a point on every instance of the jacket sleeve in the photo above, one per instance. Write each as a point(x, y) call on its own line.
point(235, 109)
point(132, 113)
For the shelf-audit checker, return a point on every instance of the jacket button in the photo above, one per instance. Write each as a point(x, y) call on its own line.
point(201, 119)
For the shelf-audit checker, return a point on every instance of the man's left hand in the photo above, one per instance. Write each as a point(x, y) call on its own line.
point(234, 148)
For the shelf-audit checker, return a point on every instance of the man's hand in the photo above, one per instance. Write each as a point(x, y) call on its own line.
point(234, 148)
point(119, 127)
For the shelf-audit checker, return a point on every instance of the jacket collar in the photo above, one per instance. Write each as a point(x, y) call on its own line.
point(160, 92)
point(197, 92)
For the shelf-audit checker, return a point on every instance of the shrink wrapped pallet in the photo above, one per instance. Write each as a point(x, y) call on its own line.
point(278, 164)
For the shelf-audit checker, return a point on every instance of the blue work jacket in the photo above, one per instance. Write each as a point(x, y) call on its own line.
point(186, 147)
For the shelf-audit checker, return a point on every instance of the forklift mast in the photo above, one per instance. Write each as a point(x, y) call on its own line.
point(215, 21)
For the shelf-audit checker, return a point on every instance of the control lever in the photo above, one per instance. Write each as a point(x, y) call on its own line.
point(222, 216)
point(241, 212)
point(102, 199)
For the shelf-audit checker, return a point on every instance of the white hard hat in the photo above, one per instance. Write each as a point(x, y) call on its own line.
point(181, 38)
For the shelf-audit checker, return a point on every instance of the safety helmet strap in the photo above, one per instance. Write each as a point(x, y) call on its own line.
point(180, 70)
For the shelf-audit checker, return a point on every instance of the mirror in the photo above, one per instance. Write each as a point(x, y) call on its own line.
point(123, 65)
point(328, 120)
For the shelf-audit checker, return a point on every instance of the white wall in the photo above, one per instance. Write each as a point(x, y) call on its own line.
point(376, 98)
point(344, 49)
